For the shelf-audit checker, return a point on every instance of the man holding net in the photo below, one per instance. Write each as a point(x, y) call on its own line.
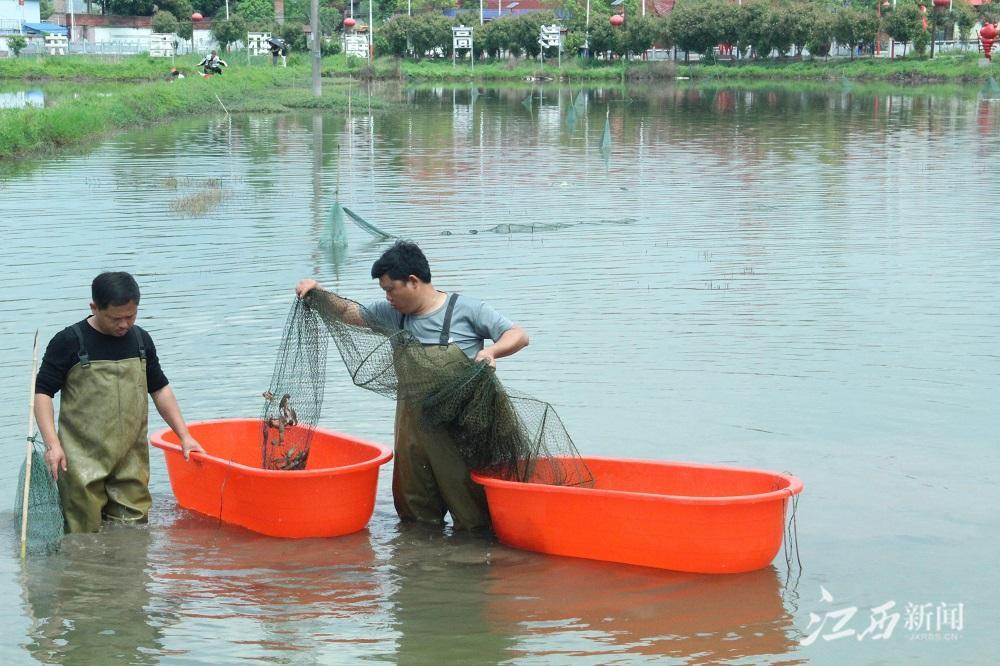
point(104, 366)
point(430, 477)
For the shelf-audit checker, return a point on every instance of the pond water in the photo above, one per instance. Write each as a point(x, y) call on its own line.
point(21, 99)
point(797, 280)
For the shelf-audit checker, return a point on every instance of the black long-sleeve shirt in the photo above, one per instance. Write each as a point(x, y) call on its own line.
point(63, 353)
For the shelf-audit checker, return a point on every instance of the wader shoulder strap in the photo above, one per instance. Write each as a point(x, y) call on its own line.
point(446, 328)
point(82, 353)
point(139, 342)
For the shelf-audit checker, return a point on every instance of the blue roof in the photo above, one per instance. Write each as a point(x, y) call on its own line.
point(47, 28)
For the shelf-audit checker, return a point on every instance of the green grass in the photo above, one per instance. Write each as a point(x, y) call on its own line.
point(943, 68)
point(958, 69)
point(73, 119)
point(954, 68)
point(117, 68)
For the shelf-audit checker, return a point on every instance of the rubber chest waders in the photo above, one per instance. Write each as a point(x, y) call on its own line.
point(103, 415)
point(429, 477)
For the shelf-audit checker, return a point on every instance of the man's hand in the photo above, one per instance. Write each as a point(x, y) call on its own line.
point(189, 444)
point(304, 286)
point(486, 355)
point(55, 459)
point(513, 340)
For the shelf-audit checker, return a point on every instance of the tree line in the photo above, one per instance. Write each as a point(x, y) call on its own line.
point(755, 28)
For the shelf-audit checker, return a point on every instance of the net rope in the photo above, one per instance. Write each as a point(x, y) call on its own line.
point(496, 430)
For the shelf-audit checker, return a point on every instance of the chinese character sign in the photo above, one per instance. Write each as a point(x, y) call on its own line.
point(926, 621)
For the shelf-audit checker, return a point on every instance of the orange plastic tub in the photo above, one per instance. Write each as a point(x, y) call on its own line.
point(333, 495)
point(679, 516)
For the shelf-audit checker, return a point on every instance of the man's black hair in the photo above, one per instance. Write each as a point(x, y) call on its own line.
point(401, 261)
point(113, 289)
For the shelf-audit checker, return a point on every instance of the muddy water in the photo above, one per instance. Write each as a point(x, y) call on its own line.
point(800, 280)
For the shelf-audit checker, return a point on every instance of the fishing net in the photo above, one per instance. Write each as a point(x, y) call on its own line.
point(45, 516)
point(294, 397)
point(496, 430)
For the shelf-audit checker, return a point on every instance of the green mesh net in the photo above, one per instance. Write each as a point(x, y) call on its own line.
point(294, 397)
point(45, 516)
point(496, 430)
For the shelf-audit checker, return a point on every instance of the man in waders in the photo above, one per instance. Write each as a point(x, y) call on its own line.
point(429, 477)
point(104, 366)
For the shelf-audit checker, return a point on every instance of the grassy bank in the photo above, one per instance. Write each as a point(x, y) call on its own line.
point(945, 68)
point(94, 112)
point(957, 69)
point(942, 69)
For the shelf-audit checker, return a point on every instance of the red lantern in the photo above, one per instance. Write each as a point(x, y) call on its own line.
point(617, 20)
point(941, 4)
point(349, 22)
point(196, 17)
point(987, 36)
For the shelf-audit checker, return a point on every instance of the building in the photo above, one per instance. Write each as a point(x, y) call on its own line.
point(14, 13)
point(22, 17)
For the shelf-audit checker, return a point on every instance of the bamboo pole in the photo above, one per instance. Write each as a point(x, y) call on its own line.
point(29, 449)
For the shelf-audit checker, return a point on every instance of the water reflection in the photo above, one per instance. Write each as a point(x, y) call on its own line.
point(599, 609)
point(88, 603)
point(439, 601)
point(22, 99)
point(287, 595)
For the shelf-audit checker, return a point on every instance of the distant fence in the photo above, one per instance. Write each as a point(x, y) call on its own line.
point(127, 47)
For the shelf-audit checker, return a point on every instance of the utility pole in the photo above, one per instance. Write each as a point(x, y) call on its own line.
point(317, 55)
point(371, 34)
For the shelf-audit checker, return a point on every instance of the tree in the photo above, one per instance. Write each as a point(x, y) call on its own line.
point(603, 37)
point(164, 22)
point(801, 20)
point(821, 34)
point(573, 42)
point(185, 30)
point(921, 38)
point(430, 32)
point(494, 36)
point(395, 32)
point(965, 17)
point(16, 44)
point(852, 27)
point(903, 23)
point(781, 28)
point(182, 9)
point(639, 34)
point(695, 25)
point(330, 20)
point(128, 7)
point(527, 29)
point(207, 8)
point(231, 31)
point(256, 12)
point(294, 36)
point(752, 35)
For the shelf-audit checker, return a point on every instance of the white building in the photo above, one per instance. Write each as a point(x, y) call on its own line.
point(13, 14)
